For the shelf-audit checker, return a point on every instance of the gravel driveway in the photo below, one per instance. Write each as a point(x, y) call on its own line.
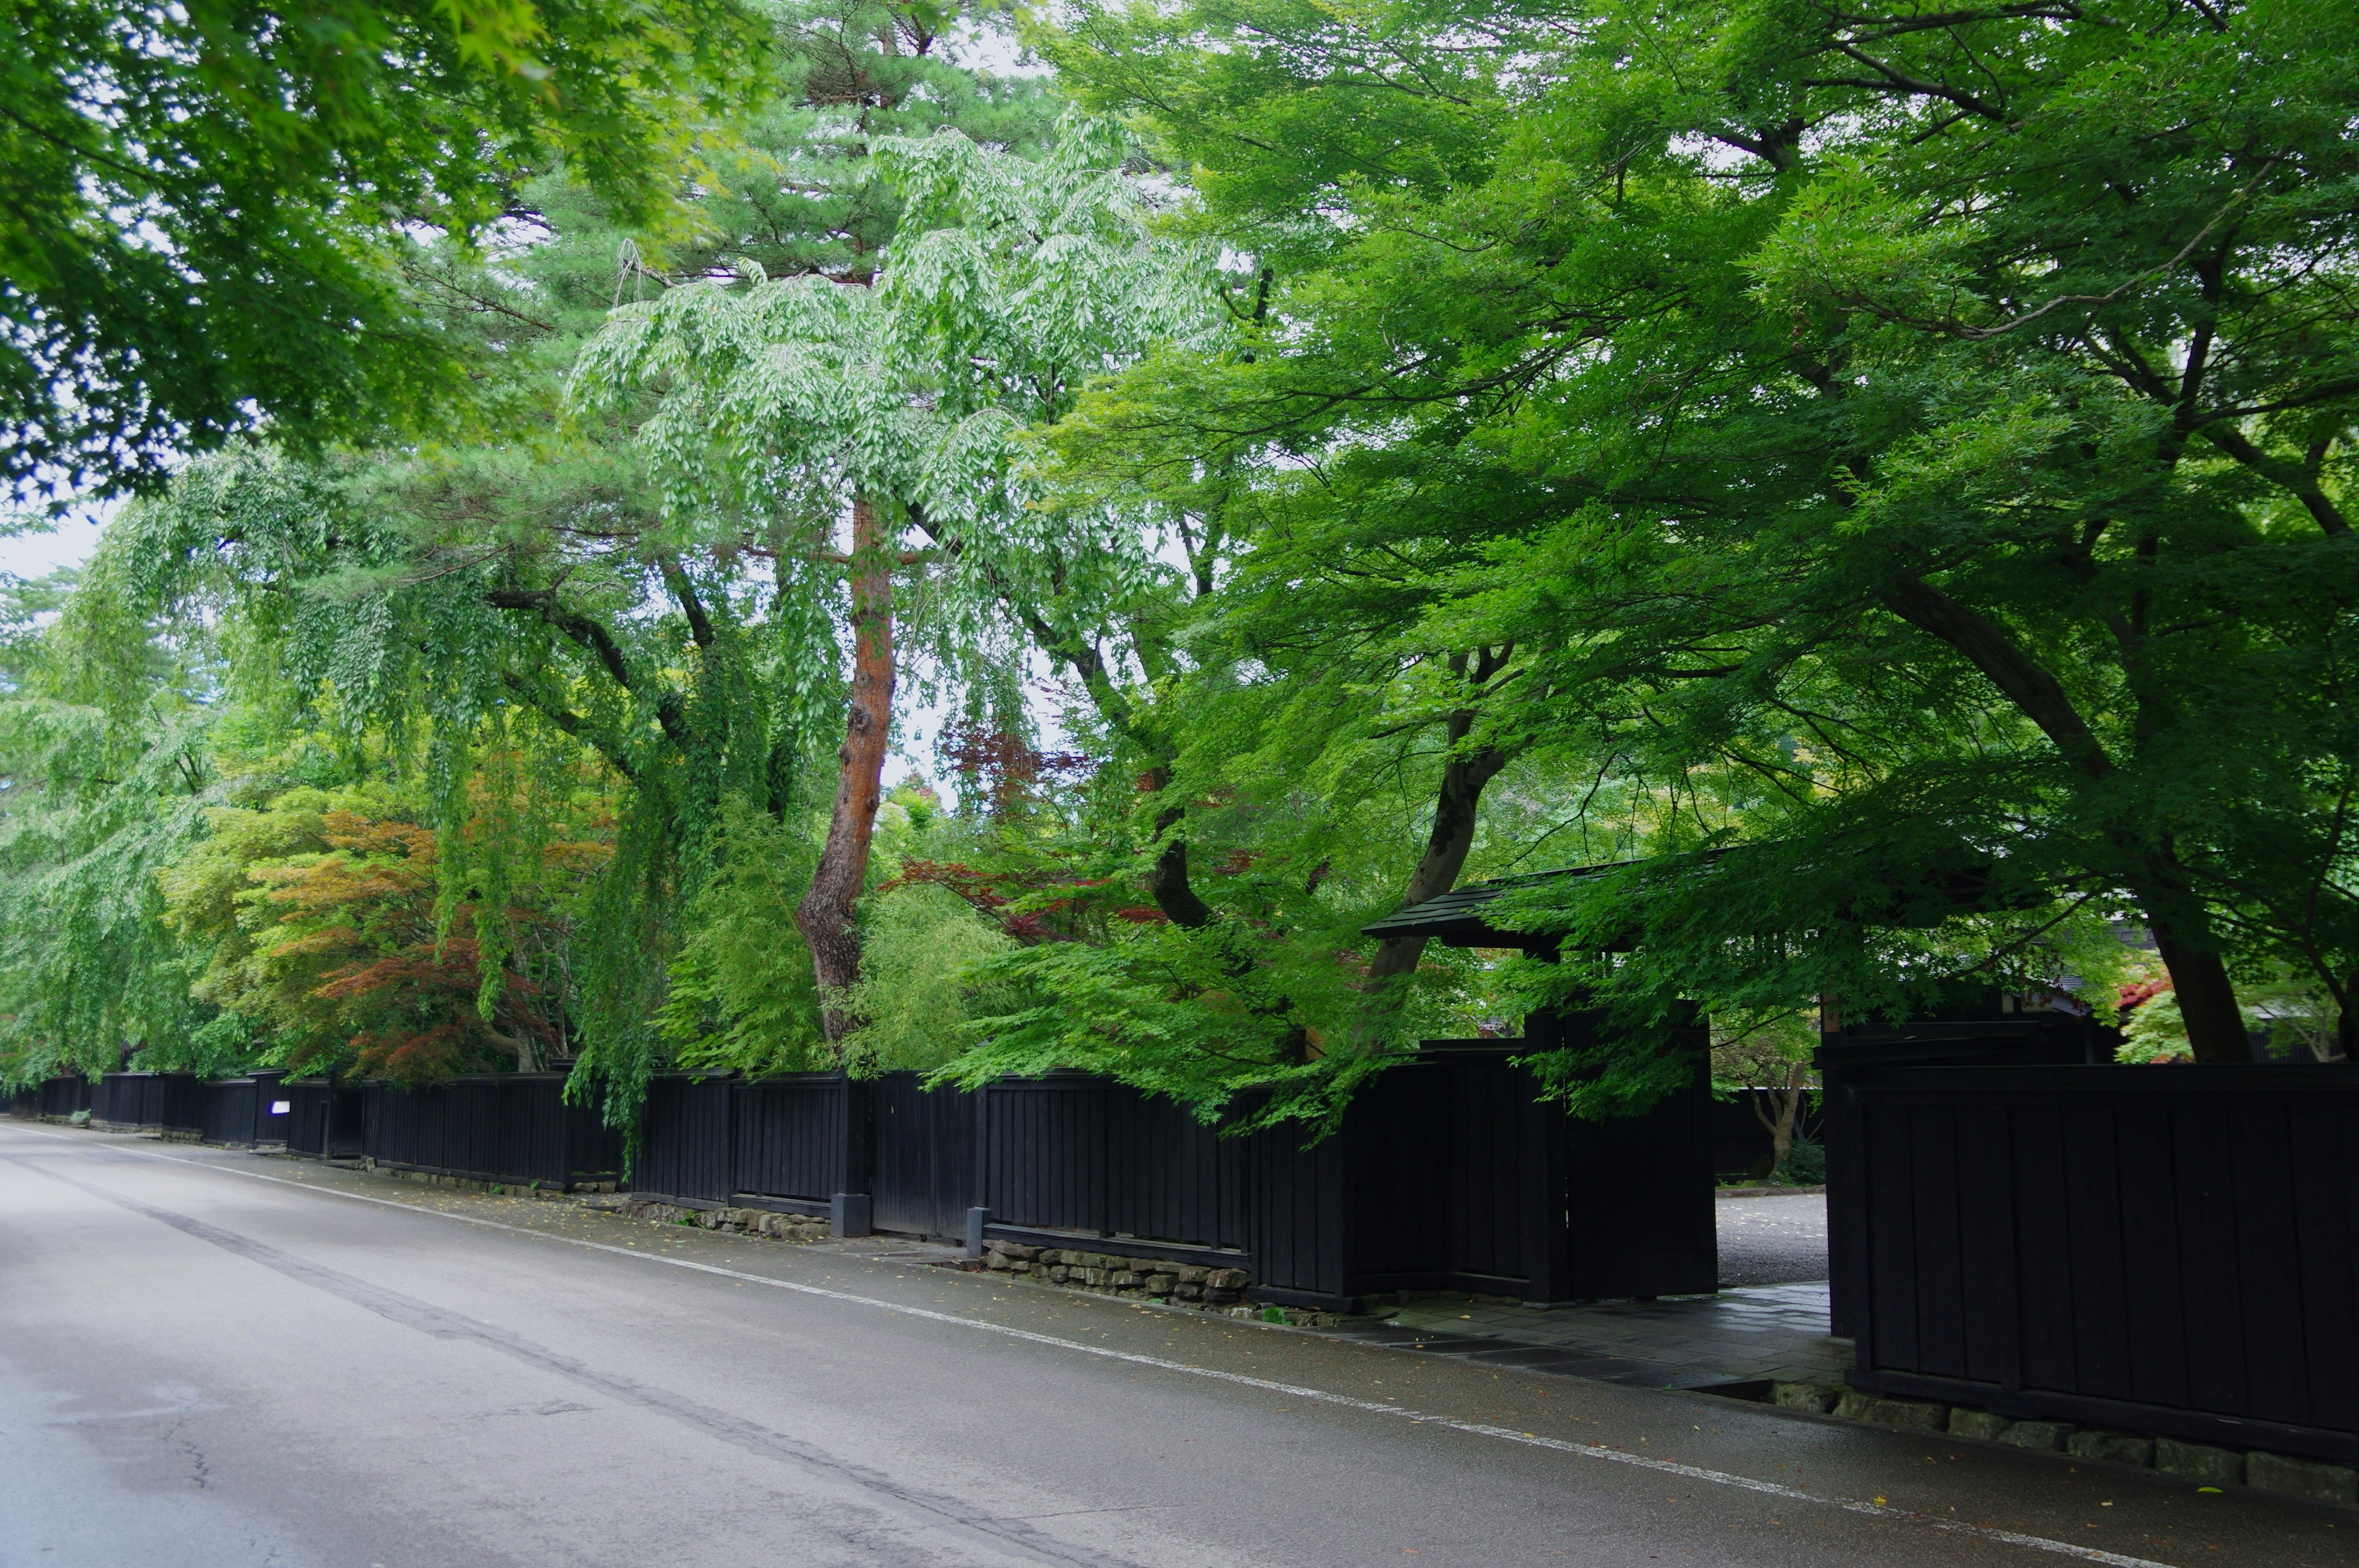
point(1773, 1241)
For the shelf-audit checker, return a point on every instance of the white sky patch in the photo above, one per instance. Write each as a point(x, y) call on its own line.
point(67, 540)
point(992, 47)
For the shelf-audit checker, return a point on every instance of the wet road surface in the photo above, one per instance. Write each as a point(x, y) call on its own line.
point(216, 1358)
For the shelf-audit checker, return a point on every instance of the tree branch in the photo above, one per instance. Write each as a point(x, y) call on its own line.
point(598, 642)
point(2027, 684)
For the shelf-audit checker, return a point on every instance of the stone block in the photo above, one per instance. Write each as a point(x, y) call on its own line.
point(1188, 1293)
point(1914, 1416)
point(1804, 1397)
point(2045, 1436)
point(2301, 1477)
point(2196, 1461)
point(1059, 1273)
point(1121, 1279)
point(1015, 1250)
point(1984, 1424)
point(1000, 1261)
point(2115, 1447)
point(1159, 1284)
point(1192, 1273)
point(1227, 1279)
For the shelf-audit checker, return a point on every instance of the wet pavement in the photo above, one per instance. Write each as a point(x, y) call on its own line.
point(1772, 1333)
point(1767, 1323)
point(214, 1358)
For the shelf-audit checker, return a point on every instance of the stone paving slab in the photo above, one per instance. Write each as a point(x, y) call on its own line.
point(1749, 1334)
point(1768, 1322)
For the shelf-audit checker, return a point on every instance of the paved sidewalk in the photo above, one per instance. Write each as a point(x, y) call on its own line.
point(1776, 1333)
point(1769, 1322)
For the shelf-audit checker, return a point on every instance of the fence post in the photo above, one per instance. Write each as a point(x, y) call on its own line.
point(980, 1214)
point(852, 1210)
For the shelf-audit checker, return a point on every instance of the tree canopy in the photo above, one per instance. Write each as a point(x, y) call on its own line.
point(1882, 476)
point(211, 205)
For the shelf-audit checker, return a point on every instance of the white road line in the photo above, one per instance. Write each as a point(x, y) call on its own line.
point(1367, 1407)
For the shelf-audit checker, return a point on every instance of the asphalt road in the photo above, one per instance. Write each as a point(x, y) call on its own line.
point(209, 1358)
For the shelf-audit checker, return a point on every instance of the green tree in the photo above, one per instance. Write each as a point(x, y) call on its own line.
point(104, 773)
point(1939, 419)
point(209, 206)
point(873, 430)
point(522, 591)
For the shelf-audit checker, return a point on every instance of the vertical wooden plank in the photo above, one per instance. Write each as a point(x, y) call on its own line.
point(1888, 1321)
point(2276, 1371)
point(2155, 1328)
point(1506, 1134)
point(1538, 1197)
point(2043, 1255)
point(2212, 1303)
point(2323, 1145)
point(1938, 1284)
point(1987, 1247)
point(985, 1193)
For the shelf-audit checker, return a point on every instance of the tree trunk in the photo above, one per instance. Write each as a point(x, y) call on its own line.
point(827, 913)
point(1456, 806)
point(1167, 880)
point(2207, 998)
point(527, 1052)
point(1787, 1097)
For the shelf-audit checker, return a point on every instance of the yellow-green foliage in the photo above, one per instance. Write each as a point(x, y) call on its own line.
point(918, 946)
point(2157, 1033)
point(742, 991)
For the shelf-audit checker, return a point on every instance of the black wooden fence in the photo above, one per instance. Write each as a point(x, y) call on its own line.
point(503, 1128)
point(497, 1127)
point(2172, 1250)
point(250, 1112)
point(1446, 1173)
point(1856, 1055)
point(164, 1102)
point(58, 1099)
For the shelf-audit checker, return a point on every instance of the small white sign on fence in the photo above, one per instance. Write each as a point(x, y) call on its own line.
point(281, 1106)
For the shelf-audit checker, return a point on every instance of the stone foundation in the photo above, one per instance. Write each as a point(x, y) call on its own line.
point(470, 1185)
point(2190, 1460)
point(752, 1221)
point(1112, 1274)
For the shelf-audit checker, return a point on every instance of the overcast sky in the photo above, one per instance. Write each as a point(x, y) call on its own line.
point(37, 555)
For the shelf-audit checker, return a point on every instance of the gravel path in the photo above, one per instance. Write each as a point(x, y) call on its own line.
point(1773, 1241)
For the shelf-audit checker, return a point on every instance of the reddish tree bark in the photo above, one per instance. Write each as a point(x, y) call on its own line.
point(826, 913)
